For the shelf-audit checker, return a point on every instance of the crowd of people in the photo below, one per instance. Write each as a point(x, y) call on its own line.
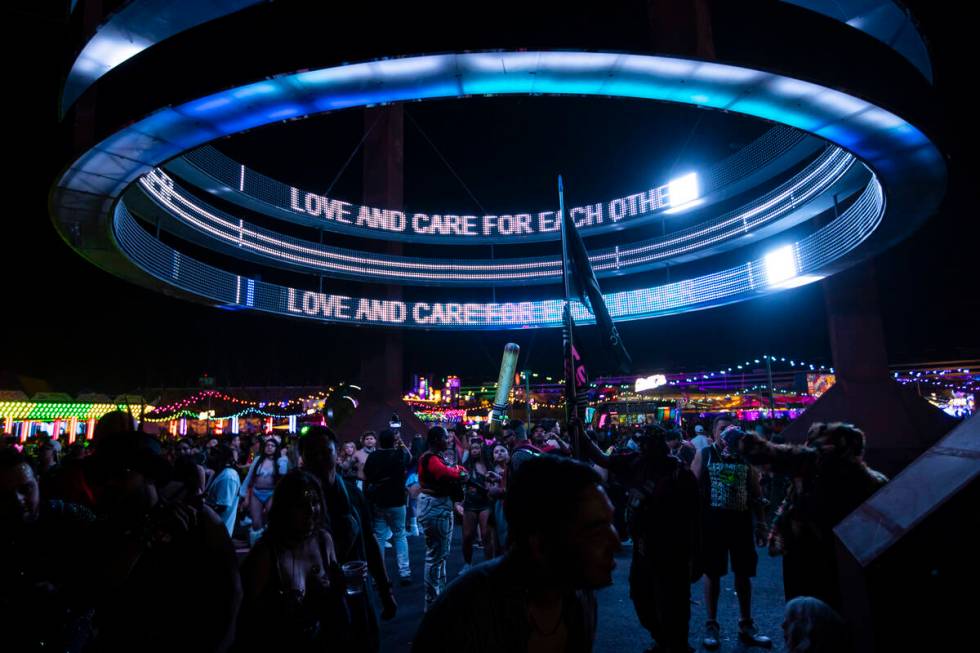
point(263, 542)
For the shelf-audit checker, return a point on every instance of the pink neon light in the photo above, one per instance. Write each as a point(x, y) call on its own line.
point(90, 428)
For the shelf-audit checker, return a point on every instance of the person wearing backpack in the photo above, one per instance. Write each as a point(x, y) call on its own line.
point(385, 471)
point(663, 518)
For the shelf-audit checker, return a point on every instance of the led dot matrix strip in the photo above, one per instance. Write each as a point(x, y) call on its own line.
point(211, 170)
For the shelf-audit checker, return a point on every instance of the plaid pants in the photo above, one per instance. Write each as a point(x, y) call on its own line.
point(435, 517)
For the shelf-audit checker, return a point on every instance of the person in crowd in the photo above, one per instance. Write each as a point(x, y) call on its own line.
point(349, 517)
point(234, 442)
point(507, 437)
point(187, 481)
point(290, 454)
point(522, 449)
point(151, 553)
point(76, 451)
point(417, 447)
point(538, 435)
point(812, 626)
point(47, 458)
point(292, 582)
point(830, 480)
point(476, 504)
point(679, 449)
point(414, 489)
point(731, 496)
point(48, 469)
point(369, 441)
point(45, 604)
point(460, 435)
point(497, 490)
point(346, 463)
point(222, 493)
point(616, 491)
point(664, 524)
point(168, 450)
point(554, 443)
point(441, 488)
point(255, 446)
point(259, 484)
point(384, 487)
point(700, 439)
point(540, 595)
point(185, 447)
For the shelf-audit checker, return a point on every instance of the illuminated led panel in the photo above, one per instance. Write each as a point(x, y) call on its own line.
point(46, 412)
point(254, 190)
point(812, 254)
point(781, 265)
point(318, 258)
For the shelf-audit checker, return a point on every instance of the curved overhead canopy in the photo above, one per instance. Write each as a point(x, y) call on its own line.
point(880, 19)
point(139, 25)
point(908, 174)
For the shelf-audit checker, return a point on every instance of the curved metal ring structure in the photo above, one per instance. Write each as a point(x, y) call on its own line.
point(907, 172)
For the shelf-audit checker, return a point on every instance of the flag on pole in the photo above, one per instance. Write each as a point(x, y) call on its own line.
point(586, 286)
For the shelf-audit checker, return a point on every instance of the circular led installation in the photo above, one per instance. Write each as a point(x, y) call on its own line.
point(907, 174)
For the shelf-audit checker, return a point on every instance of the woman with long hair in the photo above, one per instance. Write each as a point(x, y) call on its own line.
point(346, 464)
point(496, 489)
point(476, 505)
point(260, 483)
point(293, 586)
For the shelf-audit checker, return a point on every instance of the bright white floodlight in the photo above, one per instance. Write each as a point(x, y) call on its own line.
point(781, 265)
point(683, 193)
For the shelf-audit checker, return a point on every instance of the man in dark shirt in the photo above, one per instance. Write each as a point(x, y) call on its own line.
point(679, 449)
point(350, 521)
point(663, 519)
point(153, 554)
point(384, 487)
point(539, 596)
point(45, 604)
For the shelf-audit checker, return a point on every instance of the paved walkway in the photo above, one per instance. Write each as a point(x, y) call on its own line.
point(619, 630)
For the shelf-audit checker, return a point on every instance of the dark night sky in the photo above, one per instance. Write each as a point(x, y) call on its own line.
point(79, 328)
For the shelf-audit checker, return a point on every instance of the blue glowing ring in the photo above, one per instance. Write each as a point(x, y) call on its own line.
point(904, 161)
